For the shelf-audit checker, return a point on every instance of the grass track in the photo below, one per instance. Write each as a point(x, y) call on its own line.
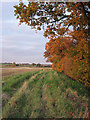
point(44, 94)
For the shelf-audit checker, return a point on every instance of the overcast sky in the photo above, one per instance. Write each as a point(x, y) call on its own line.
point(20, 44)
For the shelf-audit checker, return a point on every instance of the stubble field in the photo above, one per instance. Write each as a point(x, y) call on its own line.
point(42, 93)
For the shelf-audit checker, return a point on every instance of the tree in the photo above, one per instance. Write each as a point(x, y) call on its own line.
point(13, 64)
point(33, 64)
point(54, 15)
point(38, 65)
point(64, 44)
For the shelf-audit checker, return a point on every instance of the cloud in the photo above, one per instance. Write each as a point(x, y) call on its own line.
point(11, 21)
point(13, 0)
point(20, 43)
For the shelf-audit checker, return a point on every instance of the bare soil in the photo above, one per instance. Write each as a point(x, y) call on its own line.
point(6, 72)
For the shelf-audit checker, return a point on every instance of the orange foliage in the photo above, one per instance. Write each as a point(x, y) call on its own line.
point(70, 56)
point(67, 54)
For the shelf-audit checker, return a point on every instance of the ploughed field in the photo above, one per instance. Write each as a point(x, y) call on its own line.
point(18, 70)
point(43, 93)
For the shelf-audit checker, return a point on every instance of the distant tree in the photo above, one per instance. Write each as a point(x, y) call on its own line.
point(20, 65)
point(38, 65)
point(17, 64)
point(33, 64)
point(13, 64)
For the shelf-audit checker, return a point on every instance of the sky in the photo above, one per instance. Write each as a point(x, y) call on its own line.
point(20, 43)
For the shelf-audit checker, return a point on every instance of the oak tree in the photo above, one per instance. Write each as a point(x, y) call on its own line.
point(66, 25)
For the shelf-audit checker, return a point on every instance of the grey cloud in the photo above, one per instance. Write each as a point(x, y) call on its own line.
point(20, 43)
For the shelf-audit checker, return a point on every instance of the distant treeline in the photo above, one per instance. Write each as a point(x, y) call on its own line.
point(25, 65)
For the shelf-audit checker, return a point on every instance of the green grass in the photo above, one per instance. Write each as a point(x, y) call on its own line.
point(14, 82)
point(44, 94)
